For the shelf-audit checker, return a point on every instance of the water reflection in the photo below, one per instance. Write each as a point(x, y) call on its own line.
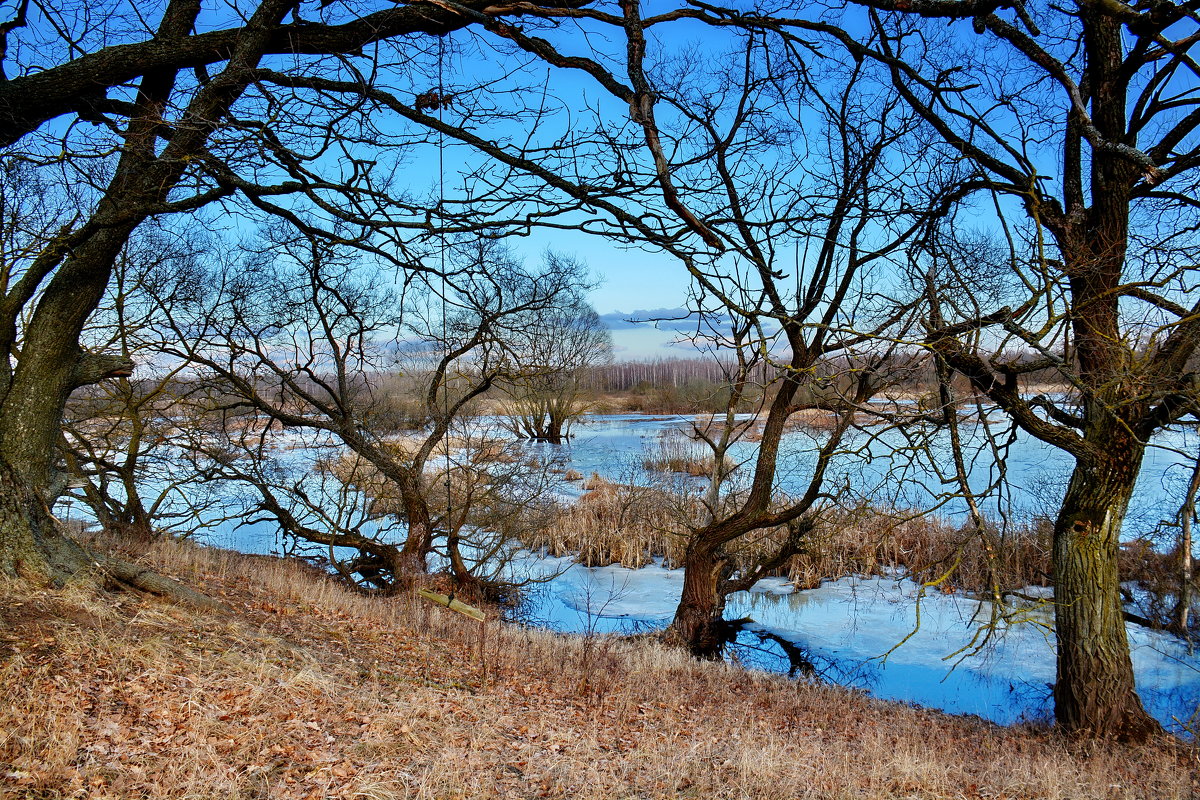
point(847, 631)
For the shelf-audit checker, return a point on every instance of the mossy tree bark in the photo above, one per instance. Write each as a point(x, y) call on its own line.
point(1108, 322)
point(34, 547)
point(31, 545)
point(78, 265)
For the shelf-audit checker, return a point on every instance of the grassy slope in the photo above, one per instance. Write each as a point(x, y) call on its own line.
point(303, 690)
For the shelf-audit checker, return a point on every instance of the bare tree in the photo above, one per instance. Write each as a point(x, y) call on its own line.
point(119, 435)
point(1081, 119)
point(293, 338)
point(787, 237)
point(788, 172)
point(1105, 257)
point(558, 353)
point(147, 115)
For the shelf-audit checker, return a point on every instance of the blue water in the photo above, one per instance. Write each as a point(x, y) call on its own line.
point(892, 468)
point(864, 633)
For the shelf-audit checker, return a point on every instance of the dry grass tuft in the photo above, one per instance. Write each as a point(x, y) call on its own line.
point(614, 523)
point(681, 455)
point(307, 691)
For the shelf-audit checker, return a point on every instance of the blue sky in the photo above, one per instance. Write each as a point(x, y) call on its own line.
point(631, 285)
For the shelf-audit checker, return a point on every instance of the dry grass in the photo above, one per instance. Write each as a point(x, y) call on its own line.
point(633, 525)
point(678, 454)
point(876, 541)
point(350, 467)
point(810, 419)
point(614, 523)
point(303, 690)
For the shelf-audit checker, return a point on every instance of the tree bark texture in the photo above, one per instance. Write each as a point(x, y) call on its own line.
point(30, 544)
point(1187, 514)
point(34, 547)
point(1094, 692)
point(414, 556)
point(699, 623)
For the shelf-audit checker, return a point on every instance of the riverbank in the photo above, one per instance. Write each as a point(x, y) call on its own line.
point(302, 689)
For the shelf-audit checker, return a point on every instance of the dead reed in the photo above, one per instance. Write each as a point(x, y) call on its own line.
point(634, 525)
point(871, 540)
point(684, 456)
point(614, 523)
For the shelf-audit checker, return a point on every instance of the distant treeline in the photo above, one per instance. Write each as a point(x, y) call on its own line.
point(673, 372)
point(913, 372)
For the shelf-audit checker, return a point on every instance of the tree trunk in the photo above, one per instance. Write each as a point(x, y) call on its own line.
point(1187, 515)
point(34, 547)
point(137, 524)
point(1094, 693)
point(52, 363)
point(414, 556)
point(554, 430)
point(51, 359)
point(466, 583)
point(699, 623)
point(31, 546)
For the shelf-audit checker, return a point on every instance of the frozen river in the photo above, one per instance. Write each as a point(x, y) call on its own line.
point(864, 633)
point(848, 630)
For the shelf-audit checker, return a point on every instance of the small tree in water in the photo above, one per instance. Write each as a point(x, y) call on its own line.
point(557, 354)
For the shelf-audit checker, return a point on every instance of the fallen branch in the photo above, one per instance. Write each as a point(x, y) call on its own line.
point(452, 604)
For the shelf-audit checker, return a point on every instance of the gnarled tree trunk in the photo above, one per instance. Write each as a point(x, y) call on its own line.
point(1094, 692)
point(699, 623)
point(414, 556)
point(33, 546)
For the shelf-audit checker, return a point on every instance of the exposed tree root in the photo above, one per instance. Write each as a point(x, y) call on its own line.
point(70, 562)
point(137, 577)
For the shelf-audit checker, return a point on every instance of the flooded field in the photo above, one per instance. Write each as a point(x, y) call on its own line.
point(876, 634)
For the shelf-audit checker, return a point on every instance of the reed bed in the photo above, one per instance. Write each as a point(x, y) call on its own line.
point(632, 525)
point(681, 455)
